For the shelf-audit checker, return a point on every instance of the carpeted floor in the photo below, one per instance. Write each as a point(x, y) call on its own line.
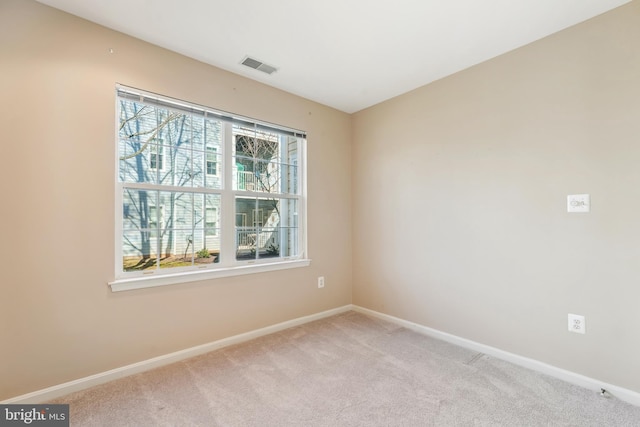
point(346, 370)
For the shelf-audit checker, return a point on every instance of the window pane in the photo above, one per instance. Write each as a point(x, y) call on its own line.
point(267, 176)
point(289, 179)
point(268, 238)
point(288, 168)
point(213, 154)
point(137, 135)
point(139, 249)
point(289, 226)
point(265, 162)
point(156, 145)
point(174, 128)
point(244, 174)
point(256, 156)
point(138, 209)
point(196, 169)
point(246, 231)
point(207, 223)
point(138, 121)
point(213, 133)
point(177, 247)
point(139, 162)
point(177, 209)
point(196, 129)
point(289, 241)
point(266, 228)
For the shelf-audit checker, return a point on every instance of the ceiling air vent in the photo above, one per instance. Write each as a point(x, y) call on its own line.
point(258, 65)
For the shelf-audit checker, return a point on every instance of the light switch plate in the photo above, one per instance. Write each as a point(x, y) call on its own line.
point(578, 203)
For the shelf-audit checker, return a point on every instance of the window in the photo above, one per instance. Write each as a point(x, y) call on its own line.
point(188, 178)
point(156, 216)
point(156, 156)
point(212, 161)
point(211, 222)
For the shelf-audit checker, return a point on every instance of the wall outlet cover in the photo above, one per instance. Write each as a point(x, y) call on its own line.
point(578, 203)
point(321, 282)
point(576, 324)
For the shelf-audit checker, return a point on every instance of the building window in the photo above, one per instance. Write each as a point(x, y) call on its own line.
point(156, 216)
point(156, 158)
point(212, 161)
point(213, 166)
point(211, 222)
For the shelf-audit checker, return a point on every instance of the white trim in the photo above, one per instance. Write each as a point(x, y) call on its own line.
point(302, 161)
point(172, 188)
point(60, 390)
point(621, 393)
point(140, 282)
point(227, 198)
point(64, 389)
point(228, 265)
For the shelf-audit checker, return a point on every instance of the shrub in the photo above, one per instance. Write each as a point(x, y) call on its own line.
point(203, 253)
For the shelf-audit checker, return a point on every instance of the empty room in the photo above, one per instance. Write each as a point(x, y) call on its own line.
point(281, 213)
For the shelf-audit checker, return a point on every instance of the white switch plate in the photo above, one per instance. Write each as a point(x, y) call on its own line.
point(577, 324)
point(580, 203)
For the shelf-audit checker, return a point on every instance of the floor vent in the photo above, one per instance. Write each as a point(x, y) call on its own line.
point(258, 65)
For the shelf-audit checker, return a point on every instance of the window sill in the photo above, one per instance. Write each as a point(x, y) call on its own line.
point(194, 276)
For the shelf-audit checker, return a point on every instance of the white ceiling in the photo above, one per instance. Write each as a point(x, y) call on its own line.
point(347, 54)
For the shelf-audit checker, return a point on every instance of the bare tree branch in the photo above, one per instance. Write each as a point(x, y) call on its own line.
point(153, 132)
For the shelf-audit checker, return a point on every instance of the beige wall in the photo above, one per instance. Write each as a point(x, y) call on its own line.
point(459, 208)
point(58, 319)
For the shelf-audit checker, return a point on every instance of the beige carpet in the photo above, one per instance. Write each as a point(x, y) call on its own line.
point(346, 370)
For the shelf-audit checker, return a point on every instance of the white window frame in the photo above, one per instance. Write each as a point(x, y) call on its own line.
point(229, 265)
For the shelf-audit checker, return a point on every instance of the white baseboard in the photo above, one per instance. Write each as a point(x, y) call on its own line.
point(60, 390)
point(621, 393)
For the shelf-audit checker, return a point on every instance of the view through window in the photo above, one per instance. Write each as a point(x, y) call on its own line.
point(201, 189)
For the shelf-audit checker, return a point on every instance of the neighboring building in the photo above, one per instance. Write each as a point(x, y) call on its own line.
point(160, 146)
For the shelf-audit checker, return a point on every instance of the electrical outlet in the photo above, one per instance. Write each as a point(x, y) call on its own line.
point(577, 324)
point(321, 282)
